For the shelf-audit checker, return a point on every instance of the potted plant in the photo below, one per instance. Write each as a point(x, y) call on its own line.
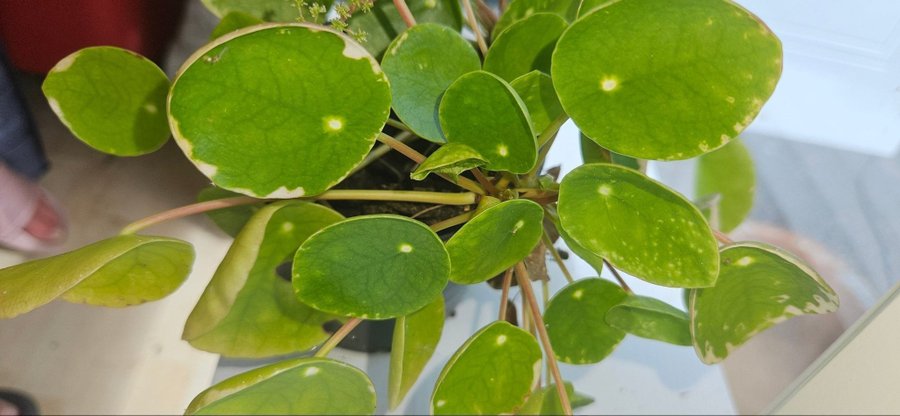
point(280, 115)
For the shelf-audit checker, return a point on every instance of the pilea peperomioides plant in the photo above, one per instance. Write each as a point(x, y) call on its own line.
point(283, 117)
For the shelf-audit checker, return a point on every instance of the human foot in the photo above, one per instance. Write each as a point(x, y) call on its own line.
point(29, 220)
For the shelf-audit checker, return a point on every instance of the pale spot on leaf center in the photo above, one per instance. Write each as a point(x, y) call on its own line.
point(405, 248)
point(605, 190)
point(608, 84)
point(334, 123)
point(744, 261)
point(501, 340)
point(518, 226)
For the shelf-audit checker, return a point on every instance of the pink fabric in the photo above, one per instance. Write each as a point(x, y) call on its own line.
point(18, 201)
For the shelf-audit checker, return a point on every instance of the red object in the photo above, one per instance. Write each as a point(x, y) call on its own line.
point(38, 33)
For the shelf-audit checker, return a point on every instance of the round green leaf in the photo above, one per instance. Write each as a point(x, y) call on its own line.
point(483, 111)
point(651, 318)
point(268, 10)
point(686, 87)
point(527, 45)
point(536, 91)
point(305, 386)
point(248, 310)
point(111, 99)
point(575, 320)
point(415, 338)
point(372, 267)
point(759, 286)
point(120, 271)
point(451, 158)
point(521, 9)
point(421, 64)
point(638, 225)
point(383, 23)
point(729, 173)
point(279, 111)
point(492, 373)
point(509, 231)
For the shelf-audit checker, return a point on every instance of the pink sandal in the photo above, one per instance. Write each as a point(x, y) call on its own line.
point(21, 203)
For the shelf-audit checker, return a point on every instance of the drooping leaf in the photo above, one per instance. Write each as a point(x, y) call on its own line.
point(536, 91)
point(728, 172)
point(525, 46)
point(451, 158)
point(421, 64)
point(496, 124)
point(231, 220)
point(492, 373)
point(508, 231)
point(638, 225)
point(545, 401)
point(591, 152)
point(415, 338)
point(304, 386)
point(233, 21)
point(521, 9)
point(120, 271)
point(371, 267)
point(269, 10)
point(758, 286)
point(112, 99)
point(383, 23)
point(575, 320)
point(710, 66)
point(248, 310)
point(651, 318)
point(265, 111)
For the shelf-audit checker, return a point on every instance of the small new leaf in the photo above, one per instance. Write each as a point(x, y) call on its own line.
point(451, 158)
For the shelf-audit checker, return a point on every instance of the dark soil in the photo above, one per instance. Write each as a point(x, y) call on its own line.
point(391, 172)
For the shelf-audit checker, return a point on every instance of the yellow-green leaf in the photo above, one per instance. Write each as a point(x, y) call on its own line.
point(248, 310)
point(112, 99)
point(120, 271)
